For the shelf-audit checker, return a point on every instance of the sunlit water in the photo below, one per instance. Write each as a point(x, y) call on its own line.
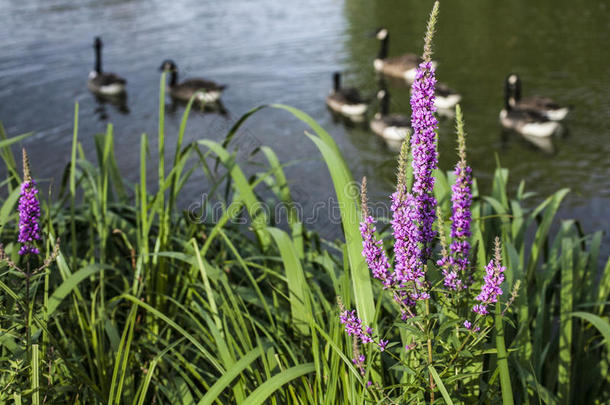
point(269, 51)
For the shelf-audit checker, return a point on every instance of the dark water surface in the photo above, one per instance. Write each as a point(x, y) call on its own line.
point(284, 52)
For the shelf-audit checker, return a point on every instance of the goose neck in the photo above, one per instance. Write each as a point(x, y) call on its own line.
point(173, 77)
point(98, 59)
point(383, 49)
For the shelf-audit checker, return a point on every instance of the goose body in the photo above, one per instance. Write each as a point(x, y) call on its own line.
point(403, 66)
point(445, 97)
point(345, 101)
point(527, 122)
point(391, 127)
point(101, 83)
point(206, 91)
point(542, 105)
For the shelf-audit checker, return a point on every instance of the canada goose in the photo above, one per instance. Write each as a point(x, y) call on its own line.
point(105, 84)
point(445, 97)
point(345, 101)
point(542, 105)
point(403, 66)
point(391, 127)
point(526, 122)
point(207, 91)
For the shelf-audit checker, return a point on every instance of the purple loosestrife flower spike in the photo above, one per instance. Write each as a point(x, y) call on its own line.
point(461, 217)
point(423, 145)
point(405, 231)
point(29, 212)
point(419, 208)
point(372, 248)
point(425, 156)
point(493, 279)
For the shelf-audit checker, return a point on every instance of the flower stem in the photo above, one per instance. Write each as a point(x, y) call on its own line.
point(432, 386)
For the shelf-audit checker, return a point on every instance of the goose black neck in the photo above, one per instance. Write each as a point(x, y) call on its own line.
point(173, 77)
point(507, 96)
point(385, 104)
point(336, 81)
point(98, 59)
point(383, 50)
point(517, 92)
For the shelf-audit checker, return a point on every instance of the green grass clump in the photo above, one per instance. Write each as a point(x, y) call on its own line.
point(143, 304)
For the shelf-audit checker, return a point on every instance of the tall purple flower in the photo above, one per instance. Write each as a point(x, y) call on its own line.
point(418, 210)
point(407, 251)
point(461, 217)
point(372, 248)
point(460, 224)
point(29, 212)
point(409, 267)
point(493, 279)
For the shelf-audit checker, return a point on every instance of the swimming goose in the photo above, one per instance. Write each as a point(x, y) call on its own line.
point(445, 97)
point(542, 105)
point(105, 84)
point(391, 127)
point(526, 122)
point(345, 101)
point(207, 91)
point(403, 66)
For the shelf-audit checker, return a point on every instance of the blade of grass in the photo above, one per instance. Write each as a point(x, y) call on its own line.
point(267, 389)
point(223, 382)
point(565, 322)
point(296, 280)
point(441, 386)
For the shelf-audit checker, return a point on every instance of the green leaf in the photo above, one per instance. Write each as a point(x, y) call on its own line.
point(297, 283)
point(70, 284)
point(267, 389)
point(602, 325)
point(441, 386)
point(224, 381)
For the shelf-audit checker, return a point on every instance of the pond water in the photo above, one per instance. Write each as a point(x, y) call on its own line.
point(269, 51)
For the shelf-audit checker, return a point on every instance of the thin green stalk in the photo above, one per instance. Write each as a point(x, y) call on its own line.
point(35, 376)
point(73, 187)
point(505, 383)
point(565, 322)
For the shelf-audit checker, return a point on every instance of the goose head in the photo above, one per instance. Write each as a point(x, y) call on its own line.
point(513, 88)
point(168, 65)
point(97, 42)
point(381, 33)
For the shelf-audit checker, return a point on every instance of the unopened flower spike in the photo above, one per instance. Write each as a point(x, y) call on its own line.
point(29, 212)
point(403, 161)
point(430, 32)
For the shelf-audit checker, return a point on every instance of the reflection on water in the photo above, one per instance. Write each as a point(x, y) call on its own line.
point(119, 102)
point(272, 52)
point(217, 107)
